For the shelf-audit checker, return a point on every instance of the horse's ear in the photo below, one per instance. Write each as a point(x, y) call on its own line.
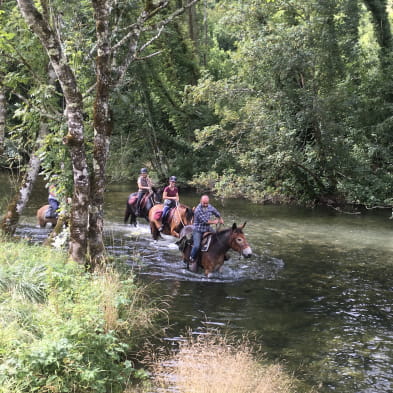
point(234, 226)
point(243, 225)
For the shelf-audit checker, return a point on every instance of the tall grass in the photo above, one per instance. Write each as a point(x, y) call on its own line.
point(65, 330)
point(213, 363)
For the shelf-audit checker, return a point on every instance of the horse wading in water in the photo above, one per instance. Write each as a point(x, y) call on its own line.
point(147, 202)
point(42, 220)
point(214, 247)
point(178, 217)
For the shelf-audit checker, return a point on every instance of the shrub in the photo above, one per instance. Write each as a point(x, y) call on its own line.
point(62, 329)
point(213, 364)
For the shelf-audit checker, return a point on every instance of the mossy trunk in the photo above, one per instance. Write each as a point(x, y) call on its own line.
point(102, 130)
point(15, 208)
point(2, 116)
point(40, 25)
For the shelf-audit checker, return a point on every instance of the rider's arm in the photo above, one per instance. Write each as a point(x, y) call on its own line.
point(142, 187)
point(175, 198)
point(219, 219)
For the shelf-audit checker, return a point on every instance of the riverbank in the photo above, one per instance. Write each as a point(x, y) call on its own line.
point(62, 329)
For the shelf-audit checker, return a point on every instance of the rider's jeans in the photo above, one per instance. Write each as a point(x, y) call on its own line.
point(197, 238)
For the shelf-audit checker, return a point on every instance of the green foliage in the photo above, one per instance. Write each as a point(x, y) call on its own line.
point(301, 111)
point(54, 332)
point(294, 97)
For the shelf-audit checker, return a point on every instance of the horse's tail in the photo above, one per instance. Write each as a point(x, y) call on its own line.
point(127, 212)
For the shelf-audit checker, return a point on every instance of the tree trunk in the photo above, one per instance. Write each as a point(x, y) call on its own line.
point(15, 208)
point(379, 12)
point(3, 109)
point(75, 140)
point(192, 25)
point(19, 202)
point(102, 131)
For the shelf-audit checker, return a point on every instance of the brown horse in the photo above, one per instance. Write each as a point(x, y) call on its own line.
point(214, 247)
point(178, 217)
point(42, 220)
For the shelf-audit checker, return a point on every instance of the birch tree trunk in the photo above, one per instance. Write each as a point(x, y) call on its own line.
point(19, 202)
point(3, 109)
point(102, 132)
point(75, 139)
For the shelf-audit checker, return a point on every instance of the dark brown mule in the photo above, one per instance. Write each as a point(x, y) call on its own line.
point(178, 217)
point(42, 220)
point(147, 202)
point(220, 242)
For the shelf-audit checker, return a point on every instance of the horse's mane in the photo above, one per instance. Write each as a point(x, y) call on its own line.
point(223, 232)
point(189, 211)
point(227, 230)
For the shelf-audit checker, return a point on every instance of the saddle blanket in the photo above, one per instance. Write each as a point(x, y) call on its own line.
point(157, 215)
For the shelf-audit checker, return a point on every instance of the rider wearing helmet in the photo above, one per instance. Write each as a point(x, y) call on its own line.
point(144, 186)
point(171, 198)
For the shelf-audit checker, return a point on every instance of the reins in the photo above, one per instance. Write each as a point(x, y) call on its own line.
point(178, 212)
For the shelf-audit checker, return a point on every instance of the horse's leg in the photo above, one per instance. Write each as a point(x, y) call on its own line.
point(208, 263)
point(173, 232)
point(154, 230)
point(192, 266)
point(41, 217)
point(133, 218)
point(186, 255)
point(41, 222)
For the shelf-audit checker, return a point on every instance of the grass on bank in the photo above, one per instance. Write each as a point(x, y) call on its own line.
point(213, 363)
point(65, 330)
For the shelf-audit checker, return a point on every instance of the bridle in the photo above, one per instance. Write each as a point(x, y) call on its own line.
point(242, 247)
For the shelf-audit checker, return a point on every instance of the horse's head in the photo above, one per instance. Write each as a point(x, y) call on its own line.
point(189, 216)
point(157, 194)
point(239, 242)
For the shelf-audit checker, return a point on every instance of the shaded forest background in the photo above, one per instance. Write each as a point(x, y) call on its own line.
point(280, 100)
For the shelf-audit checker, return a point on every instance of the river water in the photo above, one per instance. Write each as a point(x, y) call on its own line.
point(317, 293)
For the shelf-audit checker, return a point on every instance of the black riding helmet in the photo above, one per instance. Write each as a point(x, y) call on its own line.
point(173, 178)
point(143, 170)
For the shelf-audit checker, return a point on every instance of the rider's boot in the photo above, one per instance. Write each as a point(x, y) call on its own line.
point(193, 265)
point(161, 228)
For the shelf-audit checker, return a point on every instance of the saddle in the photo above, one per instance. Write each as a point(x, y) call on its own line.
point(158, 214)
point(185, 239)
point(134, 197)
point(206, 240)
point(49, 213)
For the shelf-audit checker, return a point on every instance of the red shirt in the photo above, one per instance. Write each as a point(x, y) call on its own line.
point(170, 192)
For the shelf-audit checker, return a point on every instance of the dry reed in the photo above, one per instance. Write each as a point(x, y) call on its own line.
point(212, 364)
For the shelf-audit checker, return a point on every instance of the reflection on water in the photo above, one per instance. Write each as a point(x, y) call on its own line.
point(317, 294)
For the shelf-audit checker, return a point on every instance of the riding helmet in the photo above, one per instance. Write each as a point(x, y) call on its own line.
point(143, 170)
point(173, 178)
